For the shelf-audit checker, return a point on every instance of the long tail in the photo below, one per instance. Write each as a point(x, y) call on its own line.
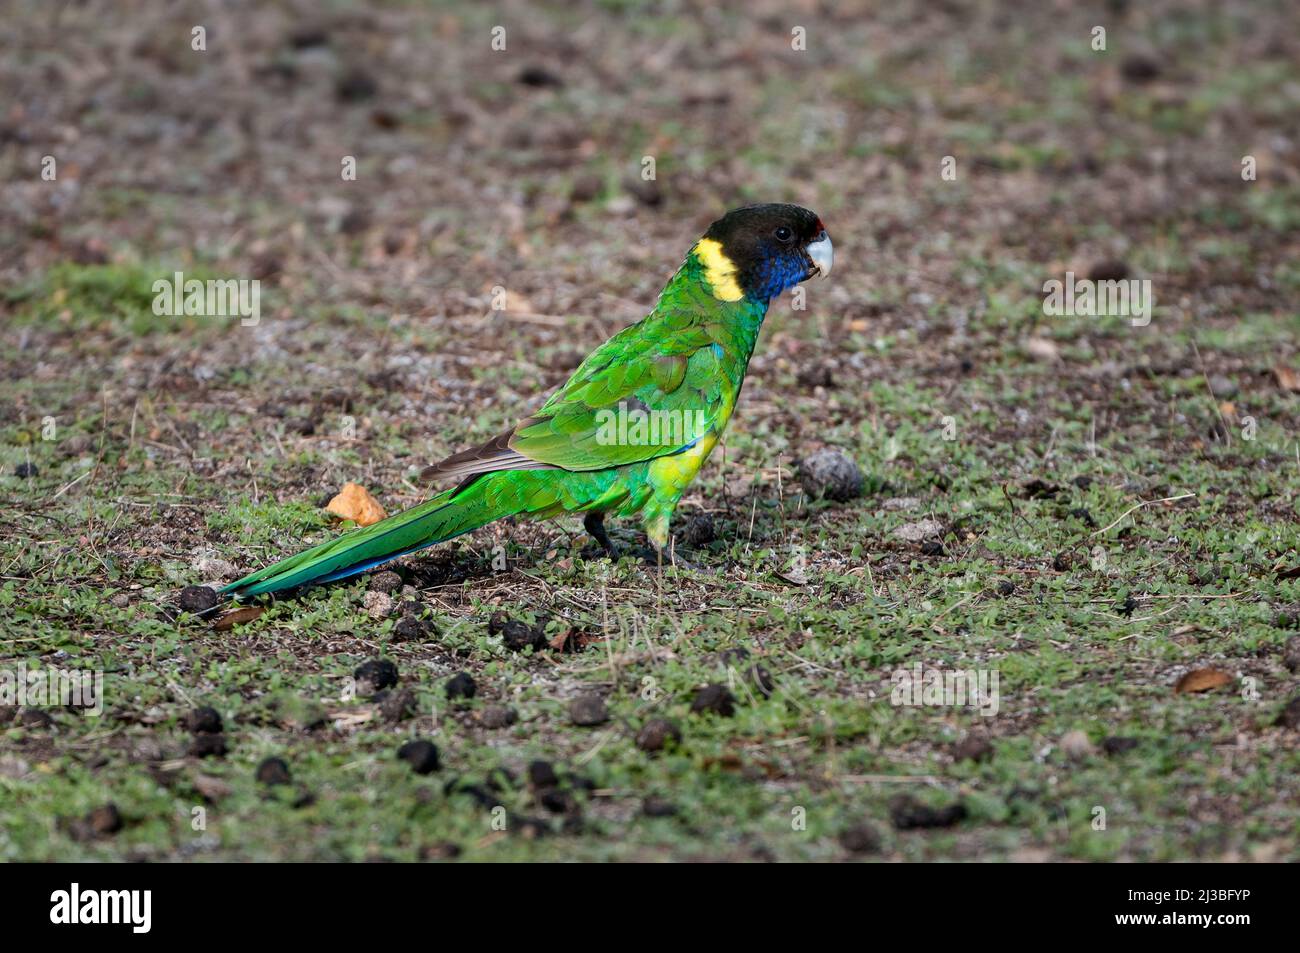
point(440, 518)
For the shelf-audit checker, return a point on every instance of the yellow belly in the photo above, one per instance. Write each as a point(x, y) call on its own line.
point(669, 476)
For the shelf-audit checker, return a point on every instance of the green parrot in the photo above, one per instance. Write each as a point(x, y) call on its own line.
point(629, 430)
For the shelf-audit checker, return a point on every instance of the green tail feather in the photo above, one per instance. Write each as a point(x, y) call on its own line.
point(440, 518)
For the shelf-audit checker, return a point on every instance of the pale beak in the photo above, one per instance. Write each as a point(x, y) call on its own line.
point(822, 253)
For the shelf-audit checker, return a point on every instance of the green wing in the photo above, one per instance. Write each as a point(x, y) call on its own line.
point(672, 380)
point(679, 362)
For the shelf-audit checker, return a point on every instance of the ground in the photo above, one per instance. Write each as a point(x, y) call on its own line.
point(1085, 508)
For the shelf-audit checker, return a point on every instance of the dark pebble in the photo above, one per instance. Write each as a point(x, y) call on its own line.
point(657, 733)
point(974, 747)
point(907, 813)
point(374, 676)
point(557, 801)
point(932, 547)
point(698, 531)
point(398, 705)
point(105, 819)
point(386, 581)
point(646, 191)
point(25, 471)
point(422, 756)
point(518, 636)
point(355, 85)
point(498, 716)
point(35, 718)
point(818, 375)
point(1290, 716)
point(303, 426)
point(714, 698)
point(588, 710)
point(355, 221)
point(1111, 270)
point(830, 474)
point(196, 599)
point(203, 720)
point(1084, 516)
point(208, 746)
point(461, 685)
point(585, 188)
point(656, 806)
point(729, 657)
point(541, 774)
point(308, 36)
point(860, 839)
point(1136, 68)
point(538, 77)
point(409, 629)
point(273, 771)
point(1291, 653)
point(1118, 745)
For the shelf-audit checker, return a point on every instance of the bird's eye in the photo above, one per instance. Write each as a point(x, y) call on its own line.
point(783, 234)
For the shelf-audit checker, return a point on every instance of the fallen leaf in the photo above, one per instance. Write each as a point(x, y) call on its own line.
point(1202, 680)
point(1287, 379)
point(237, 617)
point(355, 503)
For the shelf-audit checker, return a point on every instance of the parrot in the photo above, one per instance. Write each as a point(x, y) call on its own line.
point(628, 431)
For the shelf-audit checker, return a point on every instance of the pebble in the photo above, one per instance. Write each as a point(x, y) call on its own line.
point(273, 771)
point(830, 474)
point(374, 676)
point(196, 599)
point(421, 755)
point(203, 720)
point(715, 698)
point(498, 716)
point(657, 733)
point(378, 605)
point(461, 685)
point(588, 710)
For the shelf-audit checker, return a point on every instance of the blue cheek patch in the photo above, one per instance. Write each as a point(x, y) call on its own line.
point(775, 273)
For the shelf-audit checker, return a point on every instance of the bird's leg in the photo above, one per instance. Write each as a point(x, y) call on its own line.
point(664, 552)
point(594, 523)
